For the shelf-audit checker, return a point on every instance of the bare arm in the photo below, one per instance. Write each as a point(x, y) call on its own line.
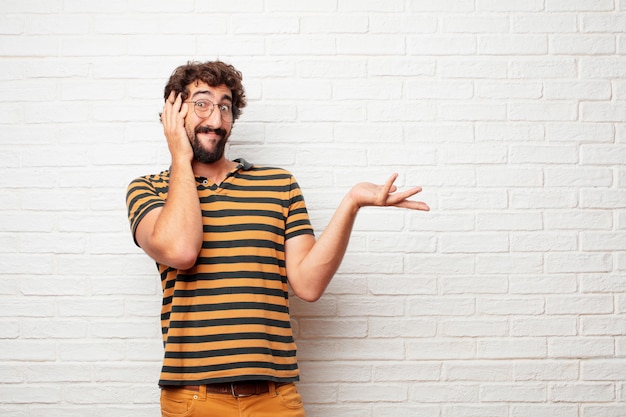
point(172, 234)
point(312, 264)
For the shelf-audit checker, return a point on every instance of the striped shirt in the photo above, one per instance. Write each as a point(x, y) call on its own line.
point(227, 318)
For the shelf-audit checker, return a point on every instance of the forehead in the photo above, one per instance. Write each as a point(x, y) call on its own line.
point(200, 88)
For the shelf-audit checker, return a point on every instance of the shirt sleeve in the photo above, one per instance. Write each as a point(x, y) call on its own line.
point(141, 198)
point(298, 221)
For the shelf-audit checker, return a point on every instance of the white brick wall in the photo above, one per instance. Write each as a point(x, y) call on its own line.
point(508, 299)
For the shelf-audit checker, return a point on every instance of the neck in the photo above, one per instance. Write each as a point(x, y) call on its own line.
point(215, 171)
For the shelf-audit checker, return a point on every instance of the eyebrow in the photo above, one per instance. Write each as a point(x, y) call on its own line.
point(224, 97)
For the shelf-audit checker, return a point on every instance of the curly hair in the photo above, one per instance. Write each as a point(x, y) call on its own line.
point(214, 73)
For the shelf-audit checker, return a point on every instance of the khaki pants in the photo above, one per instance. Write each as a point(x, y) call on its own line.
point(282, 401)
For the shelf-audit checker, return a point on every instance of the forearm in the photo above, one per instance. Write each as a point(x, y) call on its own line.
point(316, 269)
point(311, 265)
point(176, 236)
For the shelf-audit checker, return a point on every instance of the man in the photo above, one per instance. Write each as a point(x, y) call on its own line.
point(228, 238)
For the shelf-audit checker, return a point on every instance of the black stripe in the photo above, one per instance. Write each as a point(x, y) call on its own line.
point(242, 213)
point(251, 187)
point(207, 292)
point(243, 227)
point(242, 243)
point(244, 200)
point(230, 306)
point(211, 276)
point(229, 336)
point(230, 352)
point(263, 260)
point(228, 366)
point(175, 324)
point(252, 177)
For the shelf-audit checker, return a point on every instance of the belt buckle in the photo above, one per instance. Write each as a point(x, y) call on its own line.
point(233, 391)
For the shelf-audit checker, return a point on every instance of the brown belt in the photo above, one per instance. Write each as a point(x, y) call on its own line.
point(236, 389)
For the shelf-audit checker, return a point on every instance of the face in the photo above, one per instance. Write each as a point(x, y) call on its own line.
point(208, 135)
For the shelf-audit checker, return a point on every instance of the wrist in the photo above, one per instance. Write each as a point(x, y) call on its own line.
point(352, 202)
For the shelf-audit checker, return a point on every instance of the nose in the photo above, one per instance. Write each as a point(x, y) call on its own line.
point(215, 118)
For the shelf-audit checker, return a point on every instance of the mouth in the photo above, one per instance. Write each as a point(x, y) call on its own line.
point(221, 133)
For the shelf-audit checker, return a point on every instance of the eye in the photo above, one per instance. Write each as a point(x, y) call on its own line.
point(202, 104)
point(224, 108)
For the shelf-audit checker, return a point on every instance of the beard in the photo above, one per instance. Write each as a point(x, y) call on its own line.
point(201, 153)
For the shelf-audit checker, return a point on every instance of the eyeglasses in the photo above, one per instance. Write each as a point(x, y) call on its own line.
point(204, 108)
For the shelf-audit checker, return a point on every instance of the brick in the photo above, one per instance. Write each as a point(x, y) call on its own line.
point(437, 264)
point(512, 44)
point(578, 177)
point(336, 372)
point(543, 327)
point(566, 132)
point(579, 262)
point(590, 90)
point(542, 68)
point(552, 284)
point(582, 392)
point(401, 23)
point(533, 242)
point(603, 112)
point(330, 24)
point(473, 328)
point(479, 23)
point(512, 348)
point(581, 44)
point(556, 198)
point(308, 45)
point(444, 393)
point(508, 177)
point(545, 370)
point(602, 325)
point(460, 6)
point(313, 328)
point(473, 243)
point(477, 370)
point(468, 199)
point(429, 45)
point(603, 410)
point(508, 221)
point(509, 263)
point(483, 284)
point(511, 305)
point(543, 23)
point(543, 111)
point(553, 410)
point(602, 198)
point(493, 410)
point(466, 67)
point(602, 67)
point(579, 5)
point(395, 327)
point(524, 392)
point(603, 370)
point(407, 371)
point(363, 393)
point(441, 349)
point(581, 219)
point(469, 112)
point(25, 394)
point(497, 90)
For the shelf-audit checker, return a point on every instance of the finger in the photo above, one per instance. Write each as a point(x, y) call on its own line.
point(389, 184)
point(413, 205)
point(403, 195)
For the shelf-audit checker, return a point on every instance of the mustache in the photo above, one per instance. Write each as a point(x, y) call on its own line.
point(206, 129)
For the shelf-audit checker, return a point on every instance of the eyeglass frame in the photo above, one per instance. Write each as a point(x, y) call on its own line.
point(213, 105)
